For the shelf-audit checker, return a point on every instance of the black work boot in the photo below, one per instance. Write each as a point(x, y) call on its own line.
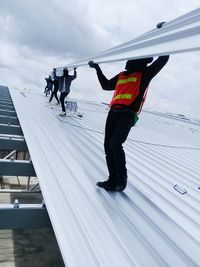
point(121, 183)
point(109, 185)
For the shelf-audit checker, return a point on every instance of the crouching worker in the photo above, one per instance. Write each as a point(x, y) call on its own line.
point(129, 92)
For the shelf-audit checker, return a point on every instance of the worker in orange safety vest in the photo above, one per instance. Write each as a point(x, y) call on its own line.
point(130, 89)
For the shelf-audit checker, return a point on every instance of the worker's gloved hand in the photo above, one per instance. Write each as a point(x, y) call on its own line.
point(160, 24)
point(93, 65)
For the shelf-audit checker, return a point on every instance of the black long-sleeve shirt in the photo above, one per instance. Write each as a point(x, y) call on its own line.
point(148, 73)
point(64, 82)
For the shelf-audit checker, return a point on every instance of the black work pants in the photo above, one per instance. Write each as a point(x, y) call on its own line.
point(62, 100)
point(54, 93)
point(48, 90)
point(118, 126)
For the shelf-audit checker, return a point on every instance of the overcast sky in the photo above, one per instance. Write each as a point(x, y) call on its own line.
point(37, 35)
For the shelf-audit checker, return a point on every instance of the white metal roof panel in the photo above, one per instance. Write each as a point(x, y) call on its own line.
point(150, 224)
point(176, 36)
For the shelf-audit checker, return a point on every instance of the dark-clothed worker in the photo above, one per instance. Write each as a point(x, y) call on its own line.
point(55, 88)
point(130, 87)
point(64, 83)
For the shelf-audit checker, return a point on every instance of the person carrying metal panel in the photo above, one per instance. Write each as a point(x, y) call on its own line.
point(55, 88)
point(130, 87)
point(64, 83)
point(49, 85)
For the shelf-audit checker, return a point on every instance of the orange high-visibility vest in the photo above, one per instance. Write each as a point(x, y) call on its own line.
point(126, 89)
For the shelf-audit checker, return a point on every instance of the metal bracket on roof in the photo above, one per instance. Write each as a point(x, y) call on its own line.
point(16, 204)
point(43, 204)
point(180, 189)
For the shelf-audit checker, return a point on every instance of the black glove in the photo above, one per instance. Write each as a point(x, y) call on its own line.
point(160, 24)
point(93, 65)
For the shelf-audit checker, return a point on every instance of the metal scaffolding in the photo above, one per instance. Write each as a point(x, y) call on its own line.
point(13, 148)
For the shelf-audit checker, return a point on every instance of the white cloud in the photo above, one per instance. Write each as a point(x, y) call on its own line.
point(175, 89)
point(38, 35)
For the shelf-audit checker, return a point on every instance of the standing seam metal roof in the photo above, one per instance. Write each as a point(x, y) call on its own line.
point(149, 224)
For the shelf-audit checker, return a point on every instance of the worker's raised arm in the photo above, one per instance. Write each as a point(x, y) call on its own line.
point(105, 83)
point(75, 74)
point(157, 65)
point(55, 77)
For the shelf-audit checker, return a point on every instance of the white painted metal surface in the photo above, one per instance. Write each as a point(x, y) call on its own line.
point(150, 224)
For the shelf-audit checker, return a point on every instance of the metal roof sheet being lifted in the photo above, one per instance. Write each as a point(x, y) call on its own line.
point(176, 36)
point(155, 222)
